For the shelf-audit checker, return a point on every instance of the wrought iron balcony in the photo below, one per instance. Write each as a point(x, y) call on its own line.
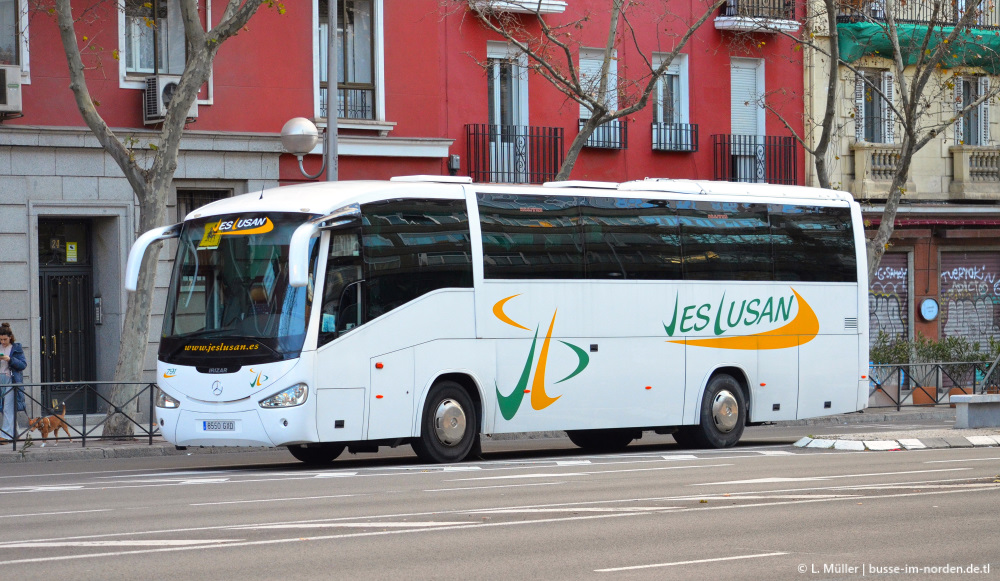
point(755, 158)
point(916, 12)
point(757, 16)
point(351, 103)
point(513, 154)
point(610, 135)
point(675, 137)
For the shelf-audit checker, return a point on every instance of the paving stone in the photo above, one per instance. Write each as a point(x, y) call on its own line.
point(821, 443)
point(958, 441)
point(912, 444)
point(881, 445)
point(849, 445)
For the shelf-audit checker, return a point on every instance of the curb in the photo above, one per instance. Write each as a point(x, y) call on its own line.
point(901, 444)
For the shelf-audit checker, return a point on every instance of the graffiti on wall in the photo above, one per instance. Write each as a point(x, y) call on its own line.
point(888, 293)
point(970, 296)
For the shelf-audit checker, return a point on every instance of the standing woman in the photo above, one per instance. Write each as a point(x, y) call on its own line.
point(12, 364)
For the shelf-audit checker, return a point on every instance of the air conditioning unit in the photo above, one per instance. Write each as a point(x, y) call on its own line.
point(159, 91)
point(10, 89)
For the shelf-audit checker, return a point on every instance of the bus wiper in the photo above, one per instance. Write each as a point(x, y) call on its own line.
point(202, 334)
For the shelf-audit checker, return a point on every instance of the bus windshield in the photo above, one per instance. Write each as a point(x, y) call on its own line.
point(229, 301)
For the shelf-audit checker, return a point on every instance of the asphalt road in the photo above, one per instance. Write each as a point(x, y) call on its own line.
point(526, 510)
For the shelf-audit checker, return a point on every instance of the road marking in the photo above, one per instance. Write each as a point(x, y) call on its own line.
point(352, 525)
point(411, 530)
point(572, 462)
point(52, 513)
point(695, 562)
point(574, 509)
point(560, 475)
point(776, 453)
point(335, 474)
point(680, 457)
point(159, 542)
point(962, 460)
point(272, 500)
point(494, 486)
point(821, 478)
point(461, 468)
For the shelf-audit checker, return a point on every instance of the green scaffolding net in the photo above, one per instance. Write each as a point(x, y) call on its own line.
point(972, 47)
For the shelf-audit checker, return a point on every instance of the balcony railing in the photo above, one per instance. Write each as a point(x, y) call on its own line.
point(351, 103)
point(675, 137)
point(513, 154)
point(916, 12)
point(760, 9)
point(755, 158)
point(977, 172)
point(610, 135)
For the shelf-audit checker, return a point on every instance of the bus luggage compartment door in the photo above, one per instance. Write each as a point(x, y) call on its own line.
point(340, 414)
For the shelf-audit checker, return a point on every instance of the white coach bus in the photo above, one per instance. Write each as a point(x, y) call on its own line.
point(431, 310)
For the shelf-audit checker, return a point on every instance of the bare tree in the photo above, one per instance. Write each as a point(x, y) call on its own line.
point(552, 51)
point(151, 182)
point(919, 54)
point(937, 35)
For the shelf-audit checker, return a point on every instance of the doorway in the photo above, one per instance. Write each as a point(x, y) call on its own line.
point(66, 305)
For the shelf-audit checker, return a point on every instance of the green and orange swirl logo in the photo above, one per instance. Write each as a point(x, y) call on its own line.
point(509, 404)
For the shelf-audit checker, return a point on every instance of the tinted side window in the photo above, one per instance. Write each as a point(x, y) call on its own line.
point(631, 239)
point(531, 236)
point(813, 243)
point(412, 247)
point(725, 241)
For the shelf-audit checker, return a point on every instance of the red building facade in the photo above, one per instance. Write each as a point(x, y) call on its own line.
point(424, 88)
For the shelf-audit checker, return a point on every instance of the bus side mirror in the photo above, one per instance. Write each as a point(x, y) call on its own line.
point(139, 250)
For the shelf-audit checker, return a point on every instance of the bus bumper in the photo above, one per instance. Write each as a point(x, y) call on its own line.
point(267, 428)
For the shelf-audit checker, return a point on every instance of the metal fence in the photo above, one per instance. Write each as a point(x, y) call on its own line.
point(755, 158)
point(138, 410)
point(767, 9)
point(513, 154)
point(675, 137)
point(916, 12)
point(610, 135)
point(929, 384)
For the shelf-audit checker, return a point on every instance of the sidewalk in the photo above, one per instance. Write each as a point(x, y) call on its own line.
point(907, 439)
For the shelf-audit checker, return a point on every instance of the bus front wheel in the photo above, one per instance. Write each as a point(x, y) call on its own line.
point(448, 427)
point(316, 453)
point(723, 415)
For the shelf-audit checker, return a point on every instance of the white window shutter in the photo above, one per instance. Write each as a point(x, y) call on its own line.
point(888, 89)
point(984, 111)
point(959, 105)
point(859, 107)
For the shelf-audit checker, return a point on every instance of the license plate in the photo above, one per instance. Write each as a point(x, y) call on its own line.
point(219, 426)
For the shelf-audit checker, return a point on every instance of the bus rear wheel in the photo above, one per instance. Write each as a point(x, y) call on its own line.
point(602, 440)
point(723, 415)
point(316, 453)
point(448, 426)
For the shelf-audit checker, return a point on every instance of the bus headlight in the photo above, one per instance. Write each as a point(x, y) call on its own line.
point(286, 398)
point(162, 400)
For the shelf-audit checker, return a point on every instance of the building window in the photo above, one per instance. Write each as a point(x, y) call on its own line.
point(672, 130)
point(10, 42)
point(154, 37)
point(190, 200)
point(973, 126)
point(873, 91)
point(356, 58)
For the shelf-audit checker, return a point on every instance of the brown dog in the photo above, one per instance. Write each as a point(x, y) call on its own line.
point(51, 424)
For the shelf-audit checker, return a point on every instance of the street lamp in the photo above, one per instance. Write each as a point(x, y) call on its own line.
point(299, 135)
